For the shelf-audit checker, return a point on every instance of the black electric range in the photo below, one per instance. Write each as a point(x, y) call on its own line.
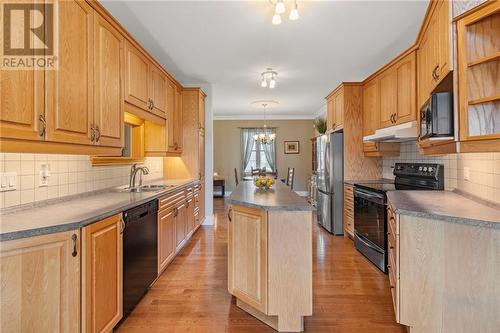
point(370, 200)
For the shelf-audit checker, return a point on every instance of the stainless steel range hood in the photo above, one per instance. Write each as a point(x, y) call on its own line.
point(398, 133)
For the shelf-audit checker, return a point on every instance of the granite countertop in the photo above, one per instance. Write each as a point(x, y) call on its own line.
point(369, 181)
point(445, 205)
point(278, 197)
point(76, 211)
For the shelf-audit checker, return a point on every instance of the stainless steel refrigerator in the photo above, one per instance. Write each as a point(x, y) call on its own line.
point(330, 173)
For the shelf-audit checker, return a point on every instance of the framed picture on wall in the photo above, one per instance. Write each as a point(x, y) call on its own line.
point(292, 147)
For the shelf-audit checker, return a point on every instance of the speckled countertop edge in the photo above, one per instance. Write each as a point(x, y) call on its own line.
point(447, 217)
point(297, 208)
point(73, 225)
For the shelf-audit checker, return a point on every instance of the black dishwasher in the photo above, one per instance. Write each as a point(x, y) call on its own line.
point(140, 252)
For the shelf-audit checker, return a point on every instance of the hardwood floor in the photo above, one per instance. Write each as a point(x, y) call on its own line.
point(350, 294)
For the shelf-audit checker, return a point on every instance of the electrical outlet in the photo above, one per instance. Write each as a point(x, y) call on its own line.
point(466, 173)
point(8, 181)
point(44, 174)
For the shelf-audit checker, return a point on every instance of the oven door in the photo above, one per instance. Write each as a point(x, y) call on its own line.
point(370, 217)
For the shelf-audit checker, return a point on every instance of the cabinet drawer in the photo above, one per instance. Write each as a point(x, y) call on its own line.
point(171, 200)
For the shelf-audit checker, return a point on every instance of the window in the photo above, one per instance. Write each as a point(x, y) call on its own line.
point(258, 159)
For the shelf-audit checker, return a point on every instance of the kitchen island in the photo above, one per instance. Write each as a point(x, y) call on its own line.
point(270, 255)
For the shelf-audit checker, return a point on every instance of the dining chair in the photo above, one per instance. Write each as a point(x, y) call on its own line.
point(236, 177)
point(255, 172)
point(273, 174)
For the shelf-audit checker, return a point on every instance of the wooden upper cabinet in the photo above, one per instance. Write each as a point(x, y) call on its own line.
point(371, 107)
point(335, 109)
point(338, 105)
point(21, 109)
point(102, 283)
point(178, 121)
point(434, 53)
point(108, 89)
point(478, 43)
point(406, 87)
point(388, 97)
point(137, 78)
point(40, 283)
point(158, 91)
point(201, 111)
point(166, 238)
point(69, 91)
point(201, 154)
point(247, 256)
point(330, 114)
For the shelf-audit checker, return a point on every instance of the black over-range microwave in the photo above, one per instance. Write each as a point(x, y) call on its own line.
point(436, 116)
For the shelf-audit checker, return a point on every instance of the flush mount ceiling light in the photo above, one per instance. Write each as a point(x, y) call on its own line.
point(268, 78)
point(280, 8)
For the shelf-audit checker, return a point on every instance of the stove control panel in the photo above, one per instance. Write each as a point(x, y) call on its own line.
point(427, 170)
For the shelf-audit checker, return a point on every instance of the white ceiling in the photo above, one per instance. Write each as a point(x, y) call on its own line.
point(228, 43)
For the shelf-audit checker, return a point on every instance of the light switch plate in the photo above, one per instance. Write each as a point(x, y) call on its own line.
point(43, 180)
point(466, 173)
point(8, 181)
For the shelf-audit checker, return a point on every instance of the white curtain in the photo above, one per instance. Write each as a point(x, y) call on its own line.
point(247, 142)
point(270, 150)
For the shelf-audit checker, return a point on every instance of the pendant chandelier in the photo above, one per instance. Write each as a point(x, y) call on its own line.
point(268, 78)
point(265, 136)
point(280, 8)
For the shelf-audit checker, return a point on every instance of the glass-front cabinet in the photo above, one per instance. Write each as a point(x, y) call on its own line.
point(479, 74)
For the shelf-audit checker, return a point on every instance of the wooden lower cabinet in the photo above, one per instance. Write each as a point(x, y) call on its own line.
point(102, 275)
point(247, 255)
point(166, 238)
point(180, 215)
point(190, 221)
point(349, 210)
point(40, 283)
point(270, 265)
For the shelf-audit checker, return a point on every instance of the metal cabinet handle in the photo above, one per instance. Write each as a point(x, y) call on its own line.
point(74, 253)
point(122, 225)
point(98, 134)
point(435, 74)
point(43, 129)
point(229, 214)
point(92, 133)
point(176, 211)
point(152, 104)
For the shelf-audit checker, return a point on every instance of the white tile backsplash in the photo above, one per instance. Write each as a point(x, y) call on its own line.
point(484, 169)
point(69, 175)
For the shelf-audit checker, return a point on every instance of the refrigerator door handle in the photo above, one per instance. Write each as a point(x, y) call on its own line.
point(327, 166)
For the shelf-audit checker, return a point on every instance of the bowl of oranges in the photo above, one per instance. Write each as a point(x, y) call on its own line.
point(263, 182)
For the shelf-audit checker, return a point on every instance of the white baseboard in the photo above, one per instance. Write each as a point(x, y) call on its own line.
point(209, 220)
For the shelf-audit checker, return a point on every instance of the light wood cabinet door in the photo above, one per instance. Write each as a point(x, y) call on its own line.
point(338, 107)
point(158, 91)
point(443, 38)
point(40, 283)
point(22, 104)
point(201, 112)
point(166, 238)
point(201, 154)
point(371, 107)
point(330, 114)
point(190, 225)
point(202, 200)
point(247, 255)
point(102, 275)
point(388, 97)
point(108, 90)
point(406, 89)
point(178, 128)
point(137, 78)
point(69, 91)
point(180, 225)
point(478, 43)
